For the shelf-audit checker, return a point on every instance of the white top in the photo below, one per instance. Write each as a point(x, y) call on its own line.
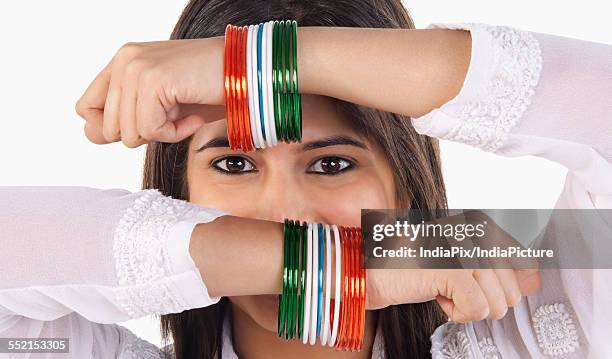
point(77, 260)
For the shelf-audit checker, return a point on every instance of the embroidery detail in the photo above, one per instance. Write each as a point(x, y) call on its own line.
point(555, 329)
point(488, 349)
point(138, 348)
point(141, 260)
point(455, 344)
point(486, 122)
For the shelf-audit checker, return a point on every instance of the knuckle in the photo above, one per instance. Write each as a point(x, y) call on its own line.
point(135, 66)
point(147, 131)
point(130, 142)
point(498, 311)
point(514, 299)
point(129, 49)
point(150, 75)
point(481, 313)
point(110, 134)
point(79, 107)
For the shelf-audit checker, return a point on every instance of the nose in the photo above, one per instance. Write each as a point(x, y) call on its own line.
point(282, 195)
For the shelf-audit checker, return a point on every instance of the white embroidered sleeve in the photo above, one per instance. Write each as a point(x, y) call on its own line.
point(528, 93)
point(109, 255)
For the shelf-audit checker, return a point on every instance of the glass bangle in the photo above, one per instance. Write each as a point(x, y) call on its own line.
point(351, 280)
point(320, 279)
point(296, 96)
point(362, 293)
point(343, 291)
point(297, 250)
point(283, 296)
point(281, 85)
point(302, 279)
point(240, 89)
point(355, 326)
point(291, 126)
point(248, 137)
point(275, 79)
point(235, 87)
point(227, 78)
point(290, 311)
point(232, 119)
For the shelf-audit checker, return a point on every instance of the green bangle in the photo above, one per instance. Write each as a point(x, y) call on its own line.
point(281, 81)
point(298, 251)
point(297, 97)
point(282, 297)
point(276, 84)
point(291, 128)
point(293, 285)
point(275, 50)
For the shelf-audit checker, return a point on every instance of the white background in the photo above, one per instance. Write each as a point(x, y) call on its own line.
point(52, 50)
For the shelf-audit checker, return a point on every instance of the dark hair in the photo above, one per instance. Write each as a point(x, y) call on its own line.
point(414, 160)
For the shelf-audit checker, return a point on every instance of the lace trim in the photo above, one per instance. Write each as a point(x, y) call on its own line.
point(555, 330)
point(486, 122)
point(141, 261)
point(488, 349)
point(138, 348)
point(455, 344)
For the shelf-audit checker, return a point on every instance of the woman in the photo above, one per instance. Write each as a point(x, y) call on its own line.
point(504, 95)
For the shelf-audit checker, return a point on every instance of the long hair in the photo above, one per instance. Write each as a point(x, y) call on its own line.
point(414, 160)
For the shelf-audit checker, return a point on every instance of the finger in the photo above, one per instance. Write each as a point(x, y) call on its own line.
point(510, 285)
point(93, 132)
point(91, 105)
point(208, 113)
point(466, 300)
point(111, 126)
point(152, 116)
point(529, 280)
point(493, 291)
point(127, 113)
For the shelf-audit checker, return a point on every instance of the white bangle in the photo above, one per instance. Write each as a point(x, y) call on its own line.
point(254, 88)
point(338, 248)
point(327, 292)
point(271, 120)
point(264, 83)
point(306, 324)
point(315, 284)
point(250, 94)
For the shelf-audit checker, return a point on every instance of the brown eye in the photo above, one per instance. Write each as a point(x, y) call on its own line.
point(233, 165)
point(330, 165)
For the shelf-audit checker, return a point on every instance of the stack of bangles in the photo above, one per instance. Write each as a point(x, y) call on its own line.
point(306, 307)
point(261, 85)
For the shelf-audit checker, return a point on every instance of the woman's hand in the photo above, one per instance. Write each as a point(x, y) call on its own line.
point(479, 288)
point(464, 294)
point(154, 91)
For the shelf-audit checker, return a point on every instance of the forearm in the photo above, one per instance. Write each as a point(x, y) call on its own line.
point(409, 72)
point(239, 256)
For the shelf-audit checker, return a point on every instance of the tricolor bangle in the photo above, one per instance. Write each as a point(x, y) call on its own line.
point(306, 310)
point(263, 105)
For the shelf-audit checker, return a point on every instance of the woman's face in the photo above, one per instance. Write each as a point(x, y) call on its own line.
point(328, 178)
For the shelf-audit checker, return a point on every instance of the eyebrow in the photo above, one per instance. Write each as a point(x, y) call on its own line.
point(340, 140)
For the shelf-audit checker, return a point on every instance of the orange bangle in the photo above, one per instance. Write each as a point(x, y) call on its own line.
point(228, 82)
point(351, 263)
point(343, 304)
point(356, 298)
point(360, 289)
point(235, 109)
point(239, 88)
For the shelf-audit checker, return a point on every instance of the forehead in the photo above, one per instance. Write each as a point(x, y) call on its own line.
point(320, 118)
